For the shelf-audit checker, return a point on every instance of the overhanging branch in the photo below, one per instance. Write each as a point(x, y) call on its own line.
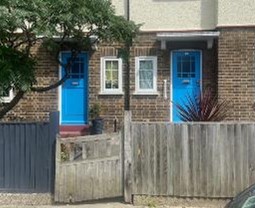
point(50, 87)
point(62, 80)
point(12, 104)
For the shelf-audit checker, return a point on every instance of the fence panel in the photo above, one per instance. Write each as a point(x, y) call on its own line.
point(192, 160)
point(26, 162)
point(89, 168)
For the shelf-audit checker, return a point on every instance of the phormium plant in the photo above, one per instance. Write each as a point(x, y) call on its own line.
point(203, 107)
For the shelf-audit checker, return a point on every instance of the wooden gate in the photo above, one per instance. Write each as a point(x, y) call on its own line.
point(88, 168)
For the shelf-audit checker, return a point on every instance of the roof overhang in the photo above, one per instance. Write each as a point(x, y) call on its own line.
point(187, 36)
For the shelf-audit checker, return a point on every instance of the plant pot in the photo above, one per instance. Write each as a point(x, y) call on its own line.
point(97, 126)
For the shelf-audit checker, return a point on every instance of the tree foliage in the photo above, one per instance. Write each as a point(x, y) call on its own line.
point(59, 24)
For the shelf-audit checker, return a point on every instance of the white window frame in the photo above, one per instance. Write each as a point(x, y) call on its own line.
point(9, 98)
point(118, 91)
point(138, 90)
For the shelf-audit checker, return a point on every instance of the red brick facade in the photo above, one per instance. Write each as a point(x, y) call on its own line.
point(227, 68)
point(36, 106)
point(236, 74)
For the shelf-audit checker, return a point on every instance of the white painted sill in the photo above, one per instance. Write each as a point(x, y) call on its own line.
point(146, 93)
point(7, 99)
point(111, 93)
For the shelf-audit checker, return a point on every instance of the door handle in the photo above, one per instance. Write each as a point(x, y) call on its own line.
point(185, 81)
point(75, 83)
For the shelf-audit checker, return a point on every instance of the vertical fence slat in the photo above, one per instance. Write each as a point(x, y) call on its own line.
point(7, 164)
point(185, 160)
point(127, 157)
point(251, 154)
point(144, 158)
point(216, 160)
point(245, 133)
point(170, 159)
point(191, 160)
point(150, 159)
point(163, 159)
point(2, 159)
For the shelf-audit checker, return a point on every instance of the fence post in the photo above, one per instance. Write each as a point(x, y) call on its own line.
point(54, 122)
point(127, 157)
point(54, 130)
point(57, 169)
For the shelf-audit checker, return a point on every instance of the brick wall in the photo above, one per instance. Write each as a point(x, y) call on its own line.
point(236, 76)
point(36, 106)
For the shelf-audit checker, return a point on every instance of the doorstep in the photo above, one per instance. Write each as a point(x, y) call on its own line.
point(74, 130)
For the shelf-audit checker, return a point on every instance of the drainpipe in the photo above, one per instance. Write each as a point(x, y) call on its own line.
point(128, 9)
point(127, 46)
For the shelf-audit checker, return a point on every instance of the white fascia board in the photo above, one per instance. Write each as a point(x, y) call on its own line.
point(187, 35)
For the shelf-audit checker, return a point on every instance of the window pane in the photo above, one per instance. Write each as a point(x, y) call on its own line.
point(108, 65)
point(186, 66)
point(115, 75)
point(108, 84)
point(115, 65)
point(115, 84)
point(146, 65)
point(111, 74)
point(146, 79)
point(77, 69)
point(108, 75)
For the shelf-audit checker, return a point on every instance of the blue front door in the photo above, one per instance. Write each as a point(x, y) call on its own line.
point(186, 68)
point(75, 91)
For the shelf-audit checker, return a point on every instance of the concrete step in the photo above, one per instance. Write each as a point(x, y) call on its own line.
point(74, 130)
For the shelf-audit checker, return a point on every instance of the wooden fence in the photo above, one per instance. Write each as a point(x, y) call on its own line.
point(27, 156)
point(89, 168)
point(188, 159)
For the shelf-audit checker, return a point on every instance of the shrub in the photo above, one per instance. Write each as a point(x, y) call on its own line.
point(203, 107)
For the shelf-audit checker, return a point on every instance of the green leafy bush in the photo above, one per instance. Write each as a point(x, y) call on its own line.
point(95, 111)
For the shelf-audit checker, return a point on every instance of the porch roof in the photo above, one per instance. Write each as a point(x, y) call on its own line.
point(188, 36)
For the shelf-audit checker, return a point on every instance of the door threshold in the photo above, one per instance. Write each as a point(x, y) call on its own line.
point(74, 130)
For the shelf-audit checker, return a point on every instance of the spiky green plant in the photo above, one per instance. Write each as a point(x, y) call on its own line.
point(203, 107)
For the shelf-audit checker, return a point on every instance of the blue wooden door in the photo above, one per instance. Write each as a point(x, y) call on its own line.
point(186, 66)
point(75, 91)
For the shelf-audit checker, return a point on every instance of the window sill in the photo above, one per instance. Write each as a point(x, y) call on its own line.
point(111, 93)
point(146, 93)
point(5, 100)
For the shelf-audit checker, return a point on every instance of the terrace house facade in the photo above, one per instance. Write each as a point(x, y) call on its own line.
point(184, 46)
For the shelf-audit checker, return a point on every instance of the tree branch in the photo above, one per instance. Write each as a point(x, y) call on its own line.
point(60, 82)
point(12, 104)
point(53, 86)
